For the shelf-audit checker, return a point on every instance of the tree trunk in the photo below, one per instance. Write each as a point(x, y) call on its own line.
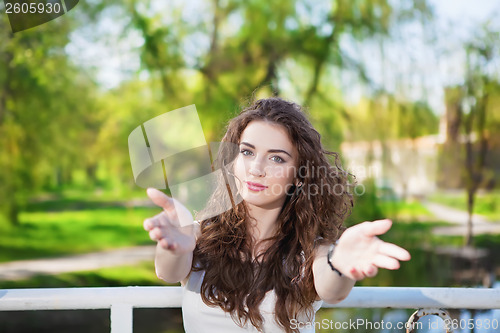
point(470, 210)
point(6, 89)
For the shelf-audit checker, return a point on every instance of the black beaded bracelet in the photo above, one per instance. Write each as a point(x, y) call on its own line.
point(329, 256)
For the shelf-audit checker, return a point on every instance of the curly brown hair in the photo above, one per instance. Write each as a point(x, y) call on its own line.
point(234, 280)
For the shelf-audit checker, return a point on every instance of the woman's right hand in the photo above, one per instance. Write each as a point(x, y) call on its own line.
point(174, 228)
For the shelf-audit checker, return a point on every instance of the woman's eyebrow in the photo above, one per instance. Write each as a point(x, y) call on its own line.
point(269, 151)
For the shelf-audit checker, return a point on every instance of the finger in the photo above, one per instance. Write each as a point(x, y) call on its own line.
point(152, 222)
point(160, 199)
point(394, 251)
point(370, 271)
point(356, 274)
point(155, 234)
point(377, 227)
point(167, 245)
point(147, 224)
point(386, 262)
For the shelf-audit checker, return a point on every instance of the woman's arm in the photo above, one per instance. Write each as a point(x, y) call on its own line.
point(172, 268)
point(330, 286)
point(175, 234)
point(358, 254)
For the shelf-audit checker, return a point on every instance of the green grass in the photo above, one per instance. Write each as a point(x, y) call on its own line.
point(70, 226)
point(369, 207)
point(405, 210)
point(134, 275)
point(487, 204)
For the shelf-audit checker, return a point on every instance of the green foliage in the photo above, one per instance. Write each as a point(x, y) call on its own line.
point(44, 111)
point(366, 204)
point(478, 87)
point(404, 210)
point(54, 121)
point(386, 118)
point(486, 203)
point(416, 119)
point(372, 203)
point(55, 228)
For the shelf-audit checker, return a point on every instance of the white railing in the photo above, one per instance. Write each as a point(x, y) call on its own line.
point(122, 300)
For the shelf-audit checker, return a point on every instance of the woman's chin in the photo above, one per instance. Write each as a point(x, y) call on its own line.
point(263, 201)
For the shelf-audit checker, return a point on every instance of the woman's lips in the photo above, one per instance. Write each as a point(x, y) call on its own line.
point(256, 186)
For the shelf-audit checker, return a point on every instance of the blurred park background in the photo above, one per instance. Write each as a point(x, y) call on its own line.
point(407, 91)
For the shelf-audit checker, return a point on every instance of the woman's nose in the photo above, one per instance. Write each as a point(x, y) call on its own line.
point(257, 169)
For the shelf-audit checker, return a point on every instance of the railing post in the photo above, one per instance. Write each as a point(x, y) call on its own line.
point(122, 318)
point(441, 313)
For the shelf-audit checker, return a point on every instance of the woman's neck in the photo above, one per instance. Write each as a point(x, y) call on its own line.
point(263, 222)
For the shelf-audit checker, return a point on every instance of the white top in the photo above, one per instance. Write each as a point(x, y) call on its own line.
point(201, 318)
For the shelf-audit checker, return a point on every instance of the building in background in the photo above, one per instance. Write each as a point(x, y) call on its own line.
point(420, 166)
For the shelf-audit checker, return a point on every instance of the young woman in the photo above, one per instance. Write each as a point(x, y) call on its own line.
point(268, 263)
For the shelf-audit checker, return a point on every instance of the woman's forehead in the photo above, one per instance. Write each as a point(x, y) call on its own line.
point(267, 135)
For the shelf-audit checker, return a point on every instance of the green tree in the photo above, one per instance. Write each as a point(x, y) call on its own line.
point(53, 120)
point(478, 88)
point(45, 107)
point(242, 48)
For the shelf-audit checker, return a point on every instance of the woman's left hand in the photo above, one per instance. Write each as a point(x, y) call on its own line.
point(359, 252)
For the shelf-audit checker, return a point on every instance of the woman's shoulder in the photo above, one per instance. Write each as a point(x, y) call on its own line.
point(194, 277)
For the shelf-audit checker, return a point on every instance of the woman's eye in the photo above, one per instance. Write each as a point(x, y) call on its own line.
point(277, 159)
point(246, 152)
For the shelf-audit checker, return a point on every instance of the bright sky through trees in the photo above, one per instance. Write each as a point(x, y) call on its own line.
point(421, 72)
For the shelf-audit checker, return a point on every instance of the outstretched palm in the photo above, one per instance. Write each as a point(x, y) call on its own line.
point(360, 252)
point(174, 228)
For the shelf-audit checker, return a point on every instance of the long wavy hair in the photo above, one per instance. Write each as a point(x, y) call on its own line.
point(313, 213)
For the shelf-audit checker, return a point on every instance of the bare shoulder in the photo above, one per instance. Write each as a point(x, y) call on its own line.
point(186, 279)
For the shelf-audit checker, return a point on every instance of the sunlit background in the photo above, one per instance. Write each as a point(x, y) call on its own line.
point(408, 92)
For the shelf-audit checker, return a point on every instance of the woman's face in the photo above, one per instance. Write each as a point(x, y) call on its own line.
point(266, 164)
